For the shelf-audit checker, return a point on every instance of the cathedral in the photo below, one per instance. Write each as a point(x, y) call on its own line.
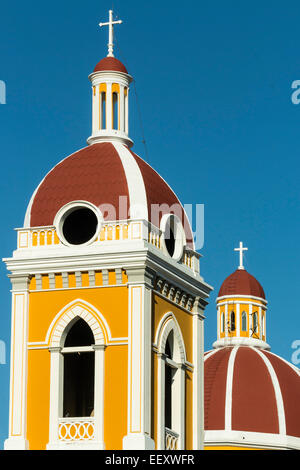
point(108, 311)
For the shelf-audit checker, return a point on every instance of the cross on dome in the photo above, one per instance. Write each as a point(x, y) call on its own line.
point(241, 249)
point(110, 25)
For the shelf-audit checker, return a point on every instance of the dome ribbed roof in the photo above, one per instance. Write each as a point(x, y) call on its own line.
point(247, 389)
point(110, 63)
point(241, 283)
point(105, 174)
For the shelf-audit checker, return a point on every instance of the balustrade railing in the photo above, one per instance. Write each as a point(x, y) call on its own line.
point(171, 439)
point(76, 429)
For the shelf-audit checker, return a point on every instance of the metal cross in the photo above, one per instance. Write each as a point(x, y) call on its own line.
point(110, 25)
point(241, 249)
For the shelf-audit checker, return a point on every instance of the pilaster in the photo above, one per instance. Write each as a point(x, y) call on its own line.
point(140, 284)
point(18, 364)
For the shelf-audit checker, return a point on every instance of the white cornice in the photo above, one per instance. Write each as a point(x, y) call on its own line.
point(225, 297)
point(240, 341)
point(125, 255)
point(251, 439)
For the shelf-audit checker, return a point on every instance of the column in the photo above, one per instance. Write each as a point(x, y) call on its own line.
point(198, 375)
point(122, 108)
point(18, 364)
point(56, 395)
point(238, 320)
point(140, 286)
point(99, 396)
point(160, 444)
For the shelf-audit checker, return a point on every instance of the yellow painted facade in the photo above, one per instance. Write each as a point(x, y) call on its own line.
point(238, 305)
point(112, 302)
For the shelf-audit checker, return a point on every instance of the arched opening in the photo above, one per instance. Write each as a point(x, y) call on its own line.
point(232, 321)
point(115, 106)
point(103, 110)
point(254, 323)
point(78, 371)
point(244, 321)
point(168, 382)
point(171, 394)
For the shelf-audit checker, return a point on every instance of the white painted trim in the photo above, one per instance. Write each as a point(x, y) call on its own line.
point(245, 302)
point(135, 182)
point(66, 319)
point(277, 391)
point(241, 297)
point(292, 366)
point(139, 369)
point(167, 324)
point(210, 353)
point(66, 210)
point(229, 384)
point(74, 308)
point(179, 235)
point(251, 439)
point(198, 383)
point(240, 341)
point(18, 370)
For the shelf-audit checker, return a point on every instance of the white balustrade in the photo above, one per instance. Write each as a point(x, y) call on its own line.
point(171, 439)
point(76, 429)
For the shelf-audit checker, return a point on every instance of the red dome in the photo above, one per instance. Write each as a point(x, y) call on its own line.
point(241, 283)
point(110, 63)
point(102, 174)
point(248, 389)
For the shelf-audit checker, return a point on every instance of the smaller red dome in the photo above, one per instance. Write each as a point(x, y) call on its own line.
point(110, 63)
point(241, 283)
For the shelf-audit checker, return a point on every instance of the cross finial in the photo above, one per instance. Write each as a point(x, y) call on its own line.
point(110, 25)
point(241, 249)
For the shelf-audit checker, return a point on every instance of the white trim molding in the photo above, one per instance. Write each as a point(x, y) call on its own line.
point(17, 439)
point(64, 321)
point(167, 325)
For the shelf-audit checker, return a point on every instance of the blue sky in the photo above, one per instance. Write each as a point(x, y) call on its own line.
point(213, 82)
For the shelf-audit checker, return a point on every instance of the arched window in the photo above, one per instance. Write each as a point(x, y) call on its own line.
point(232, 321)
point(77, 345)
point(171, 386)
point(115, 106)
point(254, 323)
point(79, 371)
point(103, 110)
point(168, 381)
point(244, 321)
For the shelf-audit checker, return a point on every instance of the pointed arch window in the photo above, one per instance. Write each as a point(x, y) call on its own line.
point(244, 321)
point(78, 371)
point(171, 392)
point(77, 381)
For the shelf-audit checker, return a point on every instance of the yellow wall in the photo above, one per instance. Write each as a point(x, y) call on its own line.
point(43, 307)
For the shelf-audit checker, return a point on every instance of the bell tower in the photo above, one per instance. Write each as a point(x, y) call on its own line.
point(107, 299)
point(241, 309)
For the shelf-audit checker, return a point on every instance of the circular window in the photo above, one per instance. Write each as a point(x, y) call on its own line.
point(173, 236)
point(77, 223)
